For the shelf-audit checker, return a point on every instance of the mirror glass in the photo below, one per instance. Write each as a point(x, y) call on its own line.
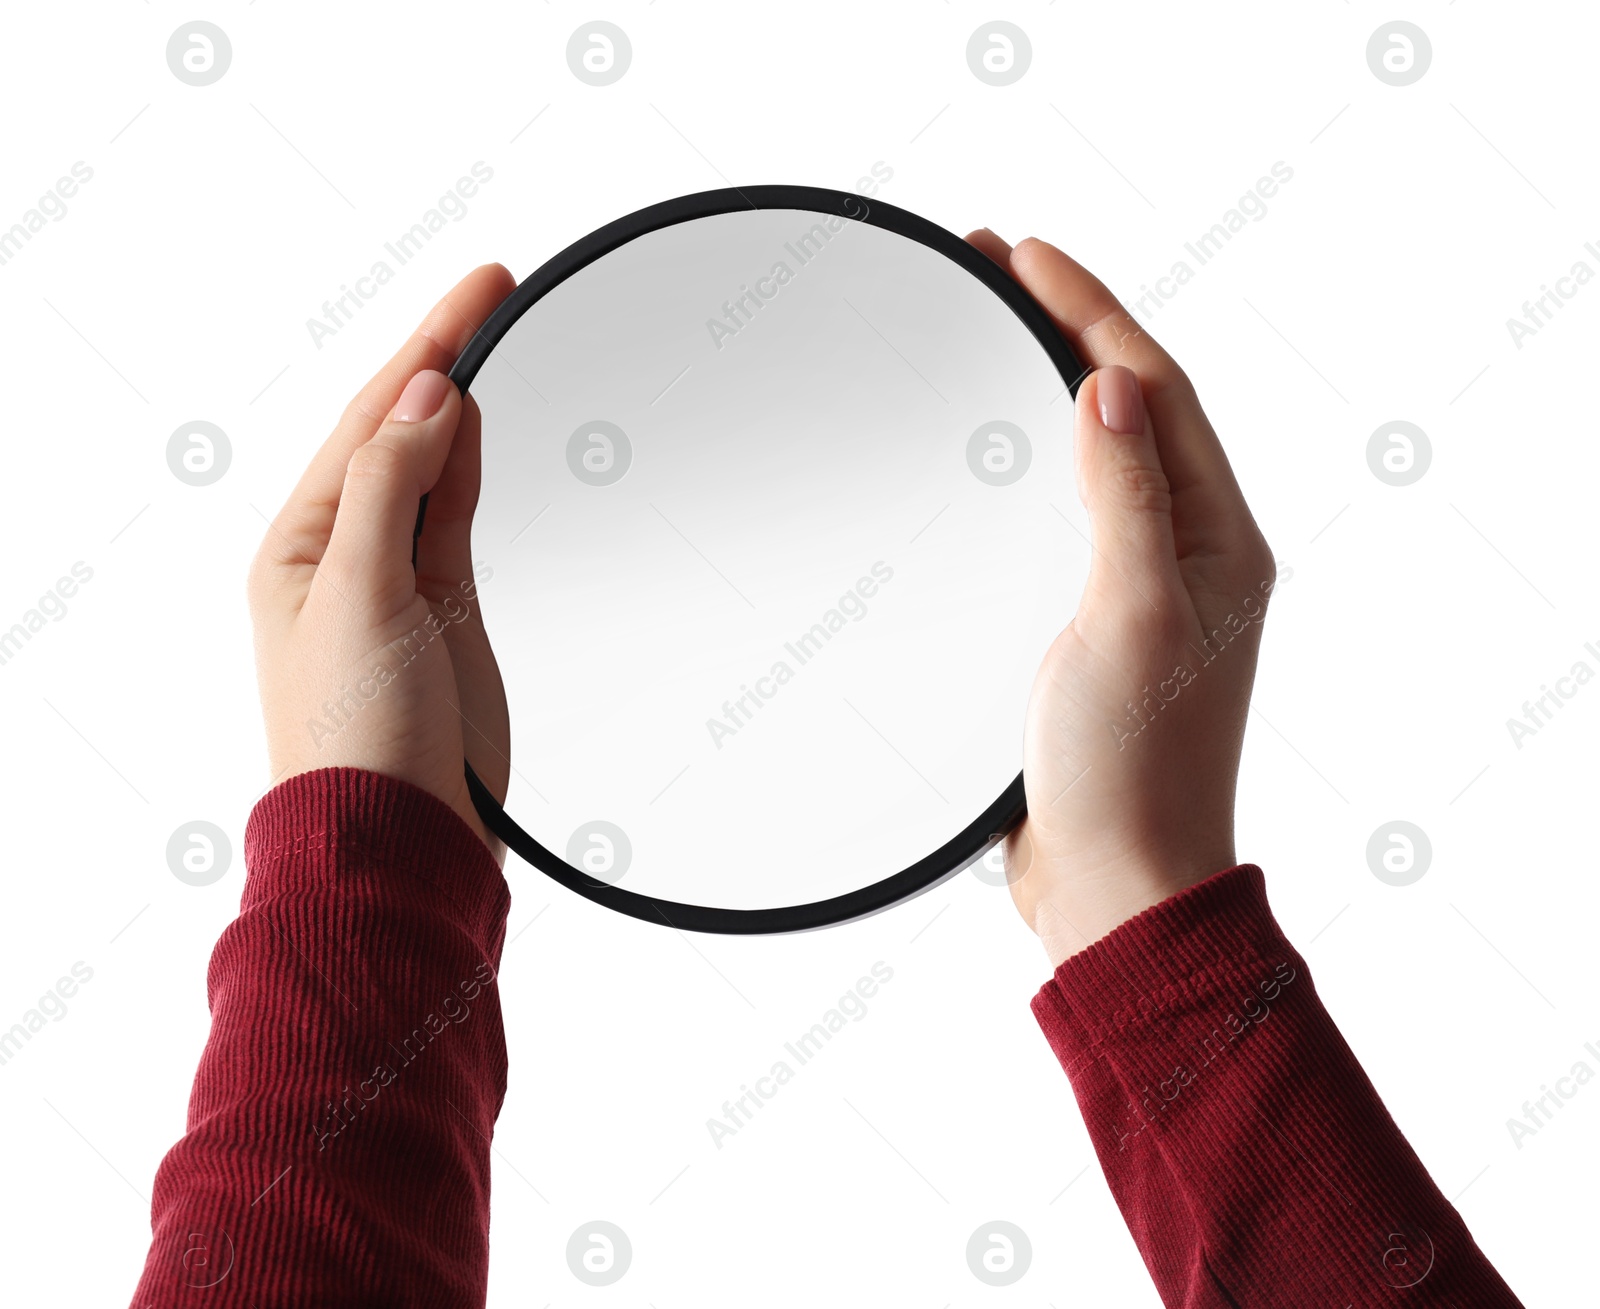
point(778, 520)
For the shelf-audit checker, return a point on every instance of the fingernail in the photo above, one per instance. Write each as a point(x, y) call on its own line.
point(422, 397)
point(1121, 404)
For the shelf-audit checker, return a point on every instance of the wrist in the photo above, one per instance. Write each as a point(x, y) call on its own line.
point(460, 799)
point(1071, 910)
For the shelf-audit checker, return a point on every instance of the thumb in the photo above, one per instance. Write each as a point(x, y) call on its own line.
point(1121, 483)
point(369, 551)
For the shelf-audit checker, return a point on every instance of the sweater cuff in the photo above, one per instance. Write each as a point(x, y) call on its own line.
point(319, 828)
point(1210, 938)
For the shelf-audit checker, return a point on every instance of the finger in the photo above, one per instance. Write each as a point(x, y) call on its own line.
point(1122, 484)
point(991, 245)
point(368, 559)
point(447, 579)
point(300, 533)
point(1210, 516)
point(444, 550)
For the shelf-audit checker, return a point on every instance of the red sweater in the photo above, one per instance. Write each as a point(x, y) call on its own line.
point(337, 1151)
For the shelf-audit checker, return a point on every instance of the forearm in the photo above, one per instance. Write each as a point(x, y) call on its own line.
point(1250, 1155)
point(337, 1150)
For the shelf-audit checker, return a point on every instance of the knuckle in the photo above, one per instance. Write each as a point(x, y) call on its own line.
point(1141, 490)
point(1266, 566)
point(361, 409)
point(1250, 571)
point(375, 461)
point(1166, 377)
point(1257, 563)
point(258, 579)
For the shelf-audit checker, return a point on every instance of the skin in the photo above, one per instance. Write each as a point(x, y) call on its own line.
point(1118, 823)
point(1125, 808)
point(332, 588)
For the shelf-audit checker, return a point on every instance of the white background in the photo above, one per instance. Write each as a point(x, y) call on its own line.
point(1412, 623)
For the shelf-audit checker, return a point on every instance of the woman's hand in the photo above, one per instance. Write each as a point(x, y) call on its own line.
point(1131, 750)
point(363, 661)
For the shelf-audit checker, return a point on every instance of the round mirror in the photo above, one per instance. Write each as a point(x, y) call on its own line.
point(778, 520)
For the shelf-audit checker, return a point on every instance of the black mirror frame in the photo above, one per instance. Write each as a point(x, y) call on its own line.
point(975, 840)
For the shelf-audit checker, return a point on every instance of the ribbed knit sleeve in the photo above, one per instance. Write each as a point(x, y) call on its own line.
point(337, 1151)
point(1251, 1157)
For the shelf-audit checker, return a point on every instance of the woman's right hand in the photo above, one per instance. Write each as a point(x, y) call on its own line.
point(363, 660)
